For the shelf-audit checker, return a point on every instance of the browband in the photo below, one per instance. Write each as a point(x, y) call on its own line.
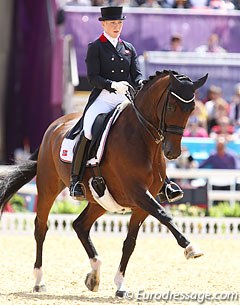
point(181, 99)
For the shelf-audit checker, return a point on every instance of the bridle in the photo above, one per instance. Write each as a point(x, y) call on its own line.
point(163, 128)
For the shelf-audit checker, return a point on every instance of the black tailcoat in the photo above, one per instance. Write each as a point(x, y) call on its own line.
point(106, 64)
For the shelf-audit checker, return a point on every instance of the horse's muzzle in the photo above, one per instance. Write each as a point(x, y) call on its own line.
point(171, 154)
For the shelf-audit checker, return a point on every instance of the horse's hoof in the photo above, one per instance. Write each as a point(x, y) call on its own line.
point(192, 252)
point(120, 293)
point(41, 288)
point(92, 282)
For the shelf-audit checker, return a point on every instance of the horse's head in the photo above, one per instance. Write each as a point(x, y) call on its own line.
point(174, 112)
point(163, 107)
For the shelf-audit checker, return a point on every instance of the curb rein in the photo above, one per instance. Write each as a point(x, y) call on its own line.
point(162, 126)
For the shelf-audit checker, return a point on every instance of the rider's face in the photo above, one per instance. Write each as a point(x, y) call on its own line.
point(112, 27)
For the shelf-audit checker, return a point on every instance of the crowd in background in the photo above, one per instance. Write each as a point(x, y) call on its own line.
point(206, 4)
point(215, 116)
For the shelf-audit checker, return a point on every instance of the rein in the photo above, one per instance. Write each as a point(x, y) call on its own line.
point(145, 123)
point(162, 127)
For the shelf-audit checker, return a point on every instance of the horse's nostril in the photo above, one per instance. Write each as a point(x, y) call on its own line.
point(171, 155)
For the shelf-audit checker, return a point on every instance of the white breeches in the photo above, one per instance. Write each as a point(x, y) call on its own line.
point(104, 103)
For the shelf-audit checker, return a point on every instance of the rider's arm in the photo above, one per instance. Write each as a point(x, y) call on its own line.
point(135, 72)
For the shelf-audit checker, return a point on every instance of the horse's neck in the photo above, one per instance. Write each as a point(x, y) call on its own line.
point(148, 100)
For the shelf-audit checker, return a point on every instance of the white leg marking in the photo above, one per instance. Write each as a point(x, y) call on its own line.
point(96, 264)
point(93, 278)
point(119, 281)
point(38, 274)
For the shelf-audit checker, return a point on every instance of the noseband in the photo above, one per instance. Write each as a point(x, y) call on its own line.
point(163, 128)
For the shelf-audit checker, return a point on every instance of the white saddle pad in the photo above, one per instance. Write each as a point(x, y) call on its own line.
point(67, 147)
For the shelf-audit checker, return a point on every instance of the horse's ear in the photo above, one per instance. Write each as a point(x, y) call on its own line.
point(174, 81)
point(200, 82)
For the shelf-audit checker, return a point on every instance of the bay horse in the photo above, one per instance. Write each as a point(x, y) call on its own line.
point(133, 167)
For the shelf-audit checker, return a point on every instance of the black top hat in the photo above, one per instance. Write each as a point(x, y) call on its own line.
point(111, 13)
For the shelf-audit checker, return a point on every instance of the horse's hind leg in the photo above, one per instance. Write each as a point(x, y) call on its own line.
point(82, 226)
point(47, 193)
point(137, 218)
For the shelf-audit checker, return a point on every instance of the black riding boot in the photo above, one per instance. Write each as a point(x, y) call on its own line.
point(169, 193)
point(77, 189)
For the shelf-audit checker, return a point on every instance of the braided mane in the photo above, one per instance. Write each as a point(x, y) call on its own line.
point(163, 73)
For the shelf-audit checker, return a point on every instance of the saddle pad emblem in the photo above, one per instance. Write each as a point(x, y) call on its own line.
point(64, 153)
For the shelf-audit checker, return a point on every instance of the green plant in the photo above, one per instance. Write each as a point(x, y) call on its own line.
point(18, 204)
point(68, 207)
point(224, 209)
point(186, 209)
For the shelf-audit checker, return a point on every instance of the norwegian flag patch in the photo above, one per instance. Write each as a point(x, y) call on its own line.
point(64, 153)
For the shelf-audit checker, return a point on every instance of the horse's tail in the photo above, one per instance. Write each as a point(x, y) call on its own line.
point(15, 176)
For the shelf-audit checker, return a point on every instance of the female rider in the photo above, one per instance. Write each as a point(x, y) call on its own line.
point(112, 64)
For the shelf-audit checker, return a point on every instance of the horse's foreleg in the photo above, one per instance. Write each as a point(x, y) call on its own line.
point(82, 226)
point(148, 203)
point(137, 218)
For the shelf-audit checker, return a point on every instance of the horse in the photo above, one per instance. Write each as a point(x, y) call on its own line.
point(133, 166)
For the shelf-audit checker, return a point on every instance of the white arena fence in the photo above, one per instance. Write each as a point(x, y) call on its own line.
point(23, 223)
point(115, 224)
point(212, 176)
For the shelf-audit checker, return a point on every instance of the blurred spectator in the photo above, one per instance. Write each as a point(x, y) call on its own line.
point(211, 93)
point(216, 4)
point(200, 112)
point(199, 3)
point(194, 129)
point(237, 4)
point(140, 2)
point(165, 3)
point(182, 4)
point(221, 4)
point(175, 44)
point(234, 111)
point(211, 46)
point(222, 158)
point(216, 107)
point(151, 3)
point(229, 5)
point(99, 2)
point(223, 128)
point(124, 3)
